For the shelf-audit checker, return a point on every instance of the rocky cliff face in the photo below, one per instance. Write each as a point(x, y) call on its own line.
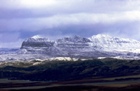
point(73, 43)
point(37, 41)
point(37, 44)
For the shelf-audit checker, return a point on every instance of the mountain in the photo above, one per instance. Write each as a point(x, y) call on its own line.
point(73, 48)
point(37, 44)
point(101, 45)
point(110, 43)
point(73, 44)
point(61, 47)
point(37, 41)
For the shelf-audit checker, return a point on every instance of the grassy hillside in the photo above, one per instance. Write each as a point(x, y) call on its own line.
point(72, 70)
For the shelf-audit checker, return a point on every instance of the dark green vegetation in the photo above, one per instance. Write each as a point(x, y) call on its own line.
point(90, 75)
point(72, 70)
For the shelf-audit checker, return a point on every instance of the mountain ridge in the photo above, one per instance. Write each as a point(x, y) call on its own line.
point(74, 48)
point(101, 45)
point(103, 40)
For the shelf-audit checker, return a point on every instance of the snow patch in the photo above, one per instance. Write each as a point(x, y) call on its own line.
point(36, 36)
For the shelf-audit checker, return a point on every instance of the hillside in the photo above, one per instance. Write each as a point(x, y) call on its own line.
point(71, 70)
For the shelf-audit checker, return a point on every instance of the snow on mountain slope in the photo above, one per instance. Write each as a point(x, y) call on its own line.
point(37, 45)
point(75, 42)
point(37, 41)
point(97, 46)
point(100, 42)
point(73, 46)
point(36, 37)
point(67, 46)
point(109, 43)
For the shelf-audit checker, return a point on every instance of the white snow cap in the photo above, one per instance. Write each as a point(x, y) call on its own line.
point(37, 36)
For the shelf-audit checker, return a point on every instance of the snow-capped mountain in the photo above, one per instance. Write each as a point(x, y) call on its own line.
point(100, 42)
point(73, 43)
point(101, 45)
point(37, 41)
point(61, 47)
point(36, 45)
point(110, 43)
point(97, 46)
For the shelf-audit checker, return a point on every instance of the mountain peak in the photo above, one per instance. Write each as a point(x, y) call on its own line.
point(36, 37)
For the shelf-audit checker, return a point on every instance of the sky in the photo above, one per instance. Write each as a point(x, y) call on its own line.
point(21, 19)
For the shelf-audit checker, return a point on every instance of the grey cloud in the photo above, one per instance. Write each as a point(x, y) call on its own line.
point(9, 37)
point(14, 9)
point(46, 23)
point(124, 29)
point(68, 17)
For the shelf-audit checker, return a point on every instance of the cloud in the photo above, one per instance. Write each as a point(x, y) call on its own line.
point(16, 44)
point(20, 19)
point(10, 40)
point(37, 24)
point(44, 8)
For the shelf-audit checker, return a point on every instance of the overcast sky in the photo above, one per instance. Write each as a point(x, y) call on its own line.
point(20, 19)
